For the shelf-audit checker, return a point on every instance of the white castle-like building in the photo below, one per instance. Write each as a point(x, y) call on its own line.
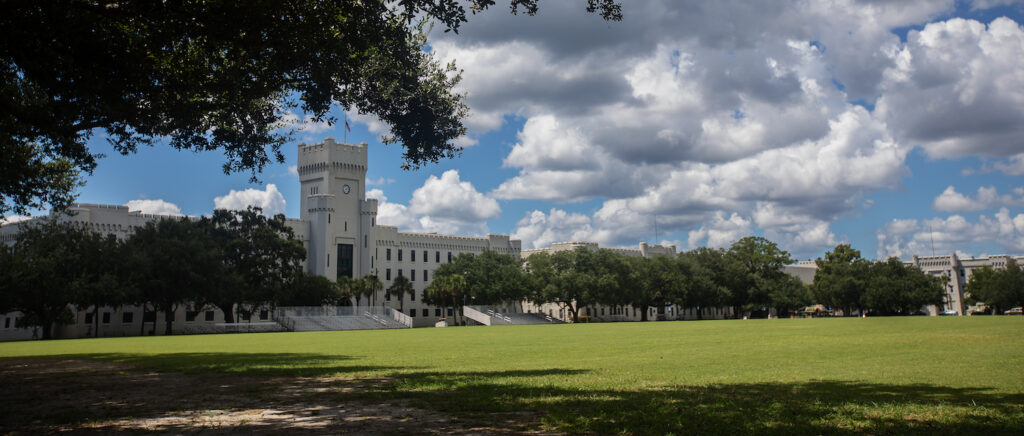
point(338, 227)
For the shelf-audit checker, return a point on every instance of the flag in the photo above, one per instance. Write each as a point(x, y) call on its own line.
point(347, 128)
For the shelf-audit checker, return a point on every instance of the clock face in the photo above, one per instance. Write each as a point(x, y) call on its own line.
point(346, 189)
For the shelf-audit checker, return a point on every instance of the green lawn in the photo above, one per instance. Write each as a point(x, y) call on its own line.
point(873, 375)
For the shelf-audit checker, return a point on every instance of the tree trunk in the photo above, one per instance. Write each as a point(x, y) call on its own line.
point(228, 311)
point(168, 321)
point(700, 313)
point(47, 330)
point(142, 325)
point(96, 321)
point(455, 310)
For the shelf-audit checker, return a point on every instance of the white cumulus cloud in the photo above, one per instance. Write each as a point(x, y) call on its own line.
point(445, 205)
point(269, 199)
point(449, 197)
point(957, 89)
point(539, 230)
point(720, 232)
point(155, 207)
point(906, 238)
point(987, 198)
point(11, 219)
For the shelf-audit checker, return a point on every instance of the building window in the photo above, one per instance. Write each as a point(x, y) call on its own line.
point(413, 273)
point(387, 253)
point(450, 312)
point(209, 315)
point(88, 318)
point(425, 277)
point(149, 316)
point(437, 311)
point(412, 295)
point(346, 226)
point(437, 257)
point(425, 257)
point(387, 274)
point(449, 257)
point(426, 312)
point(387, 295)
point(412, 313)
point(412, 255)
point(264, 314)
point(345, 260)
point(7, 323)
point(328, 218)
point(399, 255)
point(190, 315)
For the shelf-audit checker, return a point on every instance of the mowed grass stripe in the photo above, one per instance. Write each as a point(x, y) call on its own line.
point(877, 375)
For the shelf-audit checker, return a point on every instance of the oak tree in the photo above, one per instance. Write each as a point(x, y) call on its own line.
point(216, 75)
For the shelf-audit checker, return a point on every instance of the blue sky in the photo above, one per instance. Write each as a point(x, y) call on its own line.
point(873, 123)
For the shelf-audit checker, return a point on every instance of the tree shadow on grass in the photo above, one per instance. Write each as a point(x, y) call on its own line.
point(43, 396)
point(249, 364)
point(76, 391)
point(813, 407)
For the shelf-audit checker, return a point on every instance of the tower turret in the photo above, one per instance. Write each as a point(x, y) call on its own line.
point(333, 200)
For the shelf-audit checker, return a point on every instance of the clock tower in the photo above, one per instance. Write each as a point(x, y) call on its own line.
point(333, 201)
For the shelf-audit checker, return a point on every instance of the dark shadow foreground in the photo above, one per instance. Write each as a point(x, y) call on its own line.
point(314, 394)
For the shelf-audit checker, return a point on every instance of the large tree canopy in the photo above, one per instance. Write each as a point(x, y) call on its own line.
point(215, 75)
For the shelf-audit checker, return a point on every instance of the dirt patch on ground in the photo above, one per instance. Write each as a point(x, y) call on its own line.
point(85, 396)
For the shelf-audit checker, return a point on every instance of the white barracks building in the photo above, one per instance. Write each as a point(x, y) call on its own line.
point(337, 225)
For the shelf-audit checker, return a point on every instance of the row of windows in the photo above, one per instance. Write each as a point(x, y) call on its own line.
point(412, 255)
point(412, 274)
point(426, 312)
point(150, 316)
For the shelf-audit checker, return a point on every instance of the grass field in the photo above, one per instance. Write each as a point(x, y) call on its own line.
point(875, 375)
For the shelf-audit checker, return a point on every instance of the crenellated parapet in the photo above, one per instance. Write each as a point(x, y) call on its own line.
point(327, 155)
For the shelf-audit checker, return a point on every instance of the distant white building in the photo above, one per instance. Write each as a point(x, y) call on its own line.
point(958, 272)
point(337, 225)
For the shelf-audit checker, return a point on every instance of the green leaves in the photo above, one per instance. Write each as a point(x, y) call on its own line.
point(1002, 288)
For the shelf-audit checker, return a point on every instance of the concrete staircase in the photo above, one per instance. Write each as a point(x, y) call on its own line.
point(330, 318)
point(489, 316)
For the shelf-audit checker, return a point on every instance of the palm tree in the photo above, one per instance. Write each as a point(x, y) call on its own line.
point(436, 296)
point(371, 284)
point(453, 287)
point(358, 287)
point(399, 288)
point(345, 288)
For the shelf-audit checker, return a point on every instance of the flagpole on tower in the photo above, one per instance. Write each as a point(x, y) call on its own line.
point(347, 128)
